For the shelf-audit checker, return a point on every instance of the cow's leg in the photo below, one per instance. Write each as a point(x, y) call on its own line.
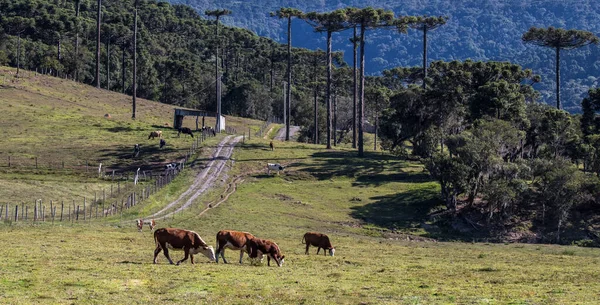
point(223, 255)
point(269, 260)
point(187, 253)
point(318, 249)
point(307, 246)
point(241, 255)
point(324, 252)
point(192, 258)
point(156, 252)
point(166, 252)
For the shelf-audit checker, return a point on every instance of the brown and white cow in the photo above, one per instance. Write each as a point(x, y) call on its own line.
point(234, 240)
point(140, 224)
point(155, 134)
point(179, 239)
point(259, 246)
point(318, 240)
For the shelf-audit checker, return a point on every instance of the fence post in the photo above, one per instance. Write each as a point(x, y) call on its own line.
point(8, 161)
point(35, 211)
point(62, 206)
point(26, 211)
point(22, 210)
point(77, 214)
point(53, 214)
point(36, 166)
point(51, 209)
point(83, 209)
point(16, 212)
point(43, 213)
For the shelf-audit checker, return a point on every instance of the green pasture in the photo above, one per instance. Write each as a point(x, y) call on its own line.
point(375, 210)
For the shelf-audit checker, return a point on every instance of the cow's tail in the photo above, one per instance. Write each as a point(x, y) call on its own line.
point(303, 239)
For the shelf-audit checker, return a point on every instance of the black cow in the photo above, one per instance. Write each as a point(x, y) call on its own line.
point(185, 130)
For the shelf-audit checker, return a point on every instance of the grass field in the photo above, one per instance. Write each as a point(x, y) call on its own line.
point(369, 207)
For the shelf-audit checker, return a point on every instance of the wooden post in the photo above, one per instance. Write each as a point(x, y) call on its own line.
point(62, 207)
point(35, 212)
point(22, 211)
point(6, 215)
point(103, 195)
point(16, 212)
point(83, 209)
point(51, 210)
point(53, 214)
point(8, 161)
point(36, 162)
point(43, 213)
point(26, 211)
point(77, 214)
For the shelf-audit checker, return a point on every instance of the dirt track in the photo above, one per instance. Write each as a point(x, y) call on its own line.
point(213, 170)
point(281, 134)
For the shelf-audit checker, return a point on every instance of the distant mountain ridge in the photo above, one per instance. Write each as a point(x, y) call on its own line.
point(477, 29)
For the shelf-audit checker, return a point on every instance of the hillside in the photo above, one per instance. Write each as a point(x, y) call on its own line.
point(478, 30)
point(57, 134)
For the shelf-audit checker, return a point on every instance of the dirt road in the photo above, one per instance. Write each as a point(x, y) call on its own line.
point(214, 170)
point(281, 134)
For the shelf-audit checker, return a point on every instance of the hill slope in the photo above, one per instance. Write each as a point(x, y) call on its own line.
point(478, 30)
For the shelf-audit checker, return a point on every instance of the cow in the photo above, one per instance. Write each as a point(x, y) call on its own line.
point(179, 239)
point(185, 130)
point(259, 246)
point(162, 143)
point(274, 166)
point(155, 134)
point(140, 224)
point(234, 240)
point(271, 145)
point(318, 240)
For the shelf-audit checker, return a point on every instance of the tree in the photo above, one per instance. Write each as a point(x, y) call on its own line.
point(98, 22)
point(328, 23)
point(288, 13)
point(19, 25)
point(354, 40)
point(559, 39)
point(378, 97)
point(367, 18)
point(426, 25)
point(135, 29)
point(217, 14)
point(77, 29)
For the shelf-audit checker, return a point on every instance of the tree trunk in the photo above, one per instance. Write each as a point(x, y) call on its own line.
point(59, 55)
point(18, 53)
point(355, 89)
point(217, 87)
point(108, 63)
point(361, 97)
point(289, 80)
point(558, 78)
point(334, 128)
point(123, 64)
point(424, 55)
point(98, 43)
point(376, 129)
point(77, 5)
point(316, 121)
point(271, 72)
point(328, 91)
point(134, 85)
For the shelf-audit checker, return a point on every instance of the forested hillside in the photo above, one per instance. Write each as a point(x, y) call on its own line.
point(175, 47)
point(477, 29)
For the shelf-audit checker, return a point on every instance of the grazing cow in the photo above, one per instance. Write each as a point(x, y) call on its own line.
point(318, 240)
point(171, 166)
point(179, 239)
point(136, 151)
point(271, 145)
point(234, 240)
point(140, 224)
point(155, 134)
point(185, 130)
point(262, 246)
point(274, 166)
point(162, 143)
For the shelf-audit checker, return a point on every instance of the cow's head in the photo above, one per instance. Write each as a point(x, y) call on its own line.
point(331, 251)
point(140, 224)
point(279, 259)
point(207, 251)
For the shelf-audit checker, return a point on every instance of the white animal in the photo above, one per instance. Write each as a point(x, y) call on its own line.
point(274, 166)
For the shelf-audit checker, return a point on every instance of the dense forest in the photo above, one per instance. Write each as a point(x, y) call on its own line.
point(477, 30)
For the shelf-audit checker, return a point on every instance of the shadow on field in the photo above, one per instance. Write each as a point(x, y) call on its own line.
point(399, 211)
point(374, 169)
point(267, 147)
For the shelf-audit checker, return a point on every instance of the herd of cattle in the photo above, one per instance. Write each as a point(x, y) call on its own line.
point(191, 243)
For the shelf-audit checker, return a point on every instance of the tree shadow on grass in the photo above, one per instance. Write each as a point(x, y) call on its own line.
point(405, 210)
point(374, 169)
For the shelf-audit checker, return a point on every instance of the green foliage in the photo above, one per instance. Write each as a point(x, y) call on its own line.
point(559, 38)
